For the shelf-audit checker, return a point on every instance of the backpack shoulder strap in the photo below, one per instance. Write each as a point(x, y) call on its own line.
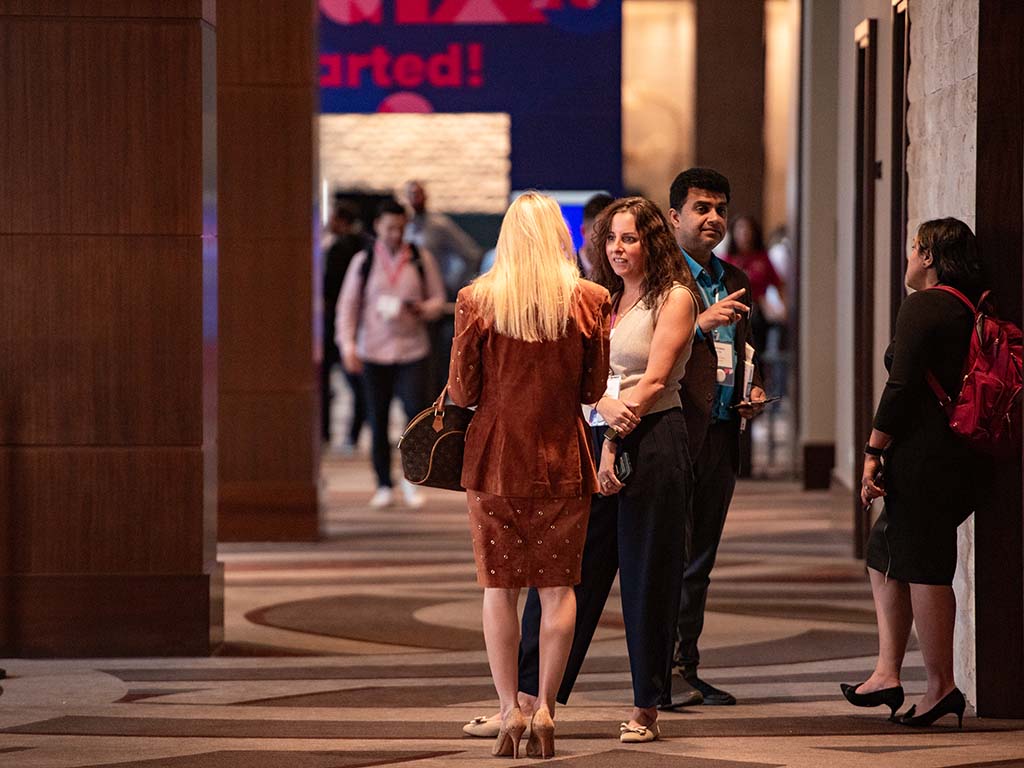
point(967, 302)
point(364, 276)
point(367, 265)
point(940, 393)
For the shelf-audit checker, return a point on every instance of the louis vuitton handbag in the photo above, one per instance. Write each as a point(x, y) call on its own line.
point(432, 445)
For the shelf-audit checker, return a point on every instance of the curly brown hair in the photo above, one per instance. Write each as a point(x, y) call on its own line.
point(663, 262)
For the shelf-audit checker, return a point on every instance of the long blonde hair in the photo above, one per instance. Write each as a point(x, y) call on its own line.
point(529, 289)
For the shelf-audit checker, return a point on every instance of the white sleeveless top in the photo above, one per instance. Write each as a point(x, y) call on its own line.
point(631, 349)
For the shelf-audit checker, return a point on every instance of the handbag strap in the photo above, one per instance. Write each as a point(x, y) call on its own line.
point(439, 409)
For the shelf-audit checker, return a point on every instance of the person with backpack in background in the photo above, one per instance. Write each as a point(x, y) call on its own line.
point(391, 291)
point(925, 472)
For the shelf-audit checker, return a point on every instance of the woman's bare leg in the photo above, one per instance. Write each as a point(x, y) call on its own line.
point(557, 625)
point(934, 617)
point(501, 634)
point(895, 616)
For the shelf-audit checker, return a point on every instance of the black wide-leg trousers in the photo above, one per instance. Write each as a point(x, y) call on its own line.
point(642, 534)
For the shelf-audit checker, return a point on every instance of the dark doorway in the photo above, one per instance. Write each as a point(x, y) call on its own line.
point(900, 141)
point(865, 173)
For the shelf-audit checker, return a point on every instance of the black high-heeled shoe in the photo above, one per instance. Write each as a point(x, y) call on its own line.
point(891, 697)
point(953, 703)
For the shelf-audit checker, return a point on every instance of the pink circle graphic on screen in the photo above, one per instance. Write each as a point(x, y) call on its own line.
point(352, 11)
point(405, 102)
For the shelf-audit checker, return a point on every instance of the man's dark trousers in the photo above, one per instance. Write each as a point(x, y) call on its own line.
point(714, 482)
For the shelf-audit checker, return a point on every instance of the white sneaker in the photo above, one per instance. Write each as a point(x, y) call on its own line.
point(413, 497)
point(384, 497)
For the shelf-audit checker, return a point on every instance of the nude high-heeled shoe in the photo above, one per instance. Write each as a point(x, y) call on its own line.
point(511, 732)
point(542, 735)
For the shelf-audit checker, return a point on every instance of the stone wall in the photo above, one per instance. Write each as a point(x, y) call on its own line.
point(463, 159)
point(943, 116)
point(942, 168)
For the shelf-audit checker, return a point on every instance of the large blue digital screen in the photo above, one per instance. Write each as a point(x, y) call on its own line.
point(555, 66)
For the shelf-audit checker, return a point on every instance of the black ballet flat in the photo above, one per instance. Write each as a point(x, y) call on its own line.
point(953, 703)
point(891, 697)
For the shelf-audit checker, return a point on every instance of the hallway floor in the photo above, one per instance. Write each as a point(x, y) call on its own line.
point(365, 649)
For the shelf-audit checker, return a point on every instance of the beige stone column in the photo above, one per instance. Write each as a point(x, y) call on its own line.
point(817, 242)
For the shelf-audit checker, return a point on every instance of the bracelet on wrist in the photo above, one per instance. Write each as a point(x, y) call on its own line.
point(871, 450)
point(612, 435)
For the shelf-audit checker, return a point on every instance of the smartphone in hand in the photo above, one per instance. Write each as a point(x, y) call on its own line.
point(745, 403)
point(623, 467)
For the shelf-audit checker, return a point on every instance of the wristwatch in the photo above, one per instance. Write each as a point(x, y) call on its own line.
point(870, 450)
point(612, 435)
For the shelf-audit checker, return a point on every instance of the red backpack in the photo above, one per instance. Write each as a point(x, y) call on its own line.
point(987, 412)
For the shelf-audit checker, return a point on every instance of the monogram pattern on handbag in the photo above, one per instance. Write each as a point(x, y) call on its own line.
point(433, 443)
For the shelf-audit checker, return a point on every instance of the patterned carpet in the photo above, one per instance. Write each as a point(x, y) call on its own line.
point(365, 649)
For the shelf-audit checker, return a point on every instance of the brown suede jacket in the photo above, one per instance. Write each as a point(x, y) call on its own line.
point(698, 383)
point(528, 438)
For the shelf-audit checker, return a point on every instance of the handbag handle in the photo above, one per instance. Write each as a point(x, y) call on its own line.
point(439, 409)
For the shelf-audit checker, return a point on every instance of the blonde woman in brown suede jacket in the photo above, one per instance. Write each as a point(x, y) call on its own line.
point(531, 345)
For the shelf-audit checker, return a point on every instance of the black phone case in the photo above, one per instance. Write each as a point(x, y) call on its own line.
point(623, 467)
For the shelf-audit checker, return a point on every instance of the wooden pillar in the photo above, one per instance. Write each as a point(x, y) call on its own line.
point(108, 328)
point(269, 397)
point(999, 225)
point(730, 97)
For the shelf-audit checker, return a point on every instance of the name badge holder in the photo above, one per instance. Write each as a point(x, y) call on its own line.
point(725, 374)
point(612, 390)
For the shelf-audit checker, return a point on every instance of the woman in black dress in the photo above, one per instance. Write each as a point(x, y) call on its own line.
point(924, 472)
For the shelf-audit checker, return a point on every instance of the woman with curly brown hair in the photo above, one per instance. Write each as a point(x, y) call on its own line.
point(639, 524)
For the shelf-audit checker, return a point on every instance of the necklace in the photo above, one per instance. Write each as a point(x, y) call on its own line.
point(615, 312)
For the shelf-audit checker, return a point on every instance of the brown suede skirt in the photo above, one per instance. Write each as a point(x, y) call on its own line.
point(527, 542)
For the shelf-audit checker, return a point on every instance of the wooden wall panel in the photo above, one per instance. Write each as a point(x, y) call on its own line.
point(148, 9)
point(266, 161)
point(273, 46)
point(98, 147)
point(267, 182)
point(107, 328)
point(264, 422)
point(135, 512)
point(279, 356)
point(102, 338)
point(117, 614)
point(730, 97)
point(999, 226)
